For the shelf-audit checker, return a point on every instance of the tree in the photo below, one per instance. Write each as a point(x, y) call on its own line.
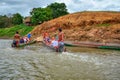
point(5, 21)
point(58, 9)
point(40, 15)
point(17, 19)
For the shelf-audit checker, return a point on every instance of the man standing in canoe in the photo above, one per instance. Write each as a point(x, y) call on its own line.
point(60, 41)
point(17, 38)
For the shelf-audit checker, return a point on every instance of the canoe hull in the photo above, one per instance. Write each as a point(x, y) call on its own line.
point(54, 49)
point(23, 44)
point(99, 46)
point(109, 47)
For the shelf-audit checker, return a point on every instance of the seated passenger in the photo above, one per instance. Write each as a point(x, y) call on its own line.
point(26, 39)
point(29, 36)
point(54, 43)
point(46, 38)
point(22, 40)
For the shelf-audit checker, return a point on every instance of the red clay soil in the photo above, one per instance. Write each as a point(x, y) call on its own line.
point(84, 26)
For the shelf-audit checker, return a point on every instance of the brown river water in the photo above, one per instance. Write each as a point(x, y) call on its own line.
point(37, 62)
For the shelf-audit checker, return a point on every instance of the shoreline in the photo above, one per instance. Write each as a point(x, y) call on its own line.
point(6, 38)
point(78, 43)
point(90, 42)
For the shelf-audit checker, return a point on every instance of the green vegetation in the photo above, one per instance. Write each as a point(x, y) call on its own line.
point(52, 11)
point(58, 9)
point(7, 21)
point(40, 15)
point(17, 19)
point(103, 25)
point(9, 32)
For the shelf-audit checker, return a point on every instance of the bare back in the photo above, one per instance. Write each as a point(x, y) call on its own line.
point(17, 37)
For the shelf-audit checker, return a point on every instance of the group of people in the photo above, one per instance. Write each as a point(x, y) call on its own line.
point(56, 41)
point(18, 39)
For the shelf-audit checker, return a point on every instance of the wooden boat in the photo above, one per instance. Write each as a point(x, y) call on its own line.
point(23, 44)
point(109, 47)
point(74, 44)
point(53, 48)
point(71, 45)
point(93, 45)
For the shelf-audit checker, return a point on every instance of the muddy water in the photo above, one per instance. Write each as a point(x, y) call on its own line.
point(37, 62)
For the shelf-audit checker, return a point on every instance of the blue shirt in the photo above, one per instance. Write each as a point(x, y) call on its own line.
point(29, 35)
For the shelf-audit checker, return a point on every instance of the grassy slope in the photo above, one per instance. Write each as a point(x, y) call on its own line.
point(9, 32)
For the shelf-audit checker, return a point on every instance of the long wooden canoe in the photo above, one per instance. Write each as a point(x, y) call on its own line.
point(24, 44)
point(109, 47)
point(54, 49)
point(93, 45)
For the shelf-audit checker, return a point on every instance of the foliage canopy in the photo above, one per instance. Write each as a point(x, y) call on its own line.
point(5, 21)
point(17, 19)
point(40, 15)
point(52, 11)
point(58, 9)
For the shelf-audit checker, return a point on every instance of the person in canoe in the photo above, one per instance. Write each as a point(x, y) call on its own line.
point(29, 36)
point(60, 40)
point(46, 38)
point(21, 40)
point(26, 39)
point(16, 39)
point(44, 35)
point(54, 43)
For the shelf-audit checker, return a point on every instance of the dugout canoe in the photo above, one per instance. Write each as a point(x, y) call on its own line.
point(23, 44)
point(93, 45)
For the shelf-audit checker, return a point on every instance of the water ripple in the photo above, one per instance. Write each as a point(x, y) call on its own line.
point(37, 62)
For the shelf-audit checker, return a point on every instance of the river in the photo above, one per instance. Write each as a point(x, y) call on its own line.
point(37, 62)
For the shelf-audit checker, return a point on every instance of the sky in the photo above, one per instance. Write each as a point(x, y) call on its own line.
point(25, 6)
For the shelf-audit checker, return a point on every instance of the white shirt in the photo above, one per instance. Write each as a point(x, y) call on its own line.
point(54, 43)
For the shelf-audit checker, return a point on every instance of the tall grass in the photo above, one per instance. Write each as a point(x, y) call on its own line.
point(9, 32)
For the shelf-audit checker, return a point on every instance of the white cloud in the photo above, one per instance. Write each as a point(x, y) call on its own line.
point(24, 6)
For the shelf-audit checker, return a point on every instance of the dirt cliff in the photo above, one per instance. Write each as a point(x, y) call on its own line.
point(84, 26)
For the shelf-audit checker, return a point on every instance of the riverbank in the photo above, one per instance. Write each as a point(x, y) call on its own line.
point(8, 33)
point(96, 26)
point(4, 37)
